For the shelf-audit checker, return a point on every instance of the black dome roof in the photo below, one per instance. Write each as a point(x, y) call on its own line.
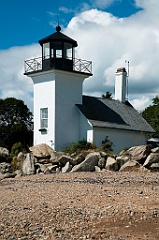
point(58, 37)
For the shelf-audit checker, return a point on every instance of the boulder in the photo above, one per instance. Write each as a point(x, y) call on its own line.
point(41, 151)
point(79, 158)
point(50, 169)
point(39, 167)
point(55, 157)
point(42, 160)
point(19, 160)
point(4, 152)
point(97, 169)
point(45, 153)
point(64, 159)
point(138, 153)
point(154, 167)
point(111, 164)
point(21, 157)
point(7, 175)
point(28, 167)
point(5, 168)
point(155, 150)
point(131, 166)
point(18, 173)
point(102, 160)
point(67, 168)
point(152, 158)
point(88, 165)
point(121, 160)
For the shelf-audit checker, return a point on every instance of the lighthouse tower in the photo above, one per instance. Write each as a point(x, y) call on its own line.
point(57, 78)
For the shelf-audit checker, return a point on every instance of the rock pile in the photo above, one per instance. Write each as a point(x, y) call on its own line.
point(42, 159)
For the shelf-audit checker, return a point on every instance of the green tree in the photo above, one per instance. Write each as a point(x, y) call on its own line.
point(151, 114)
point(107, 95)
point(15, 123)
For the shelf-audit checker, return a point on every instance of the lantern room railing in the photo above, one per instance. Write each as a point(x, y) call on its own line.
point(79, 65)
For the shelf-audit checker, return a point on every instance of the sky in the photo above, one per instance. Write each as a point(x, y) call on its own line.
point(109, 33)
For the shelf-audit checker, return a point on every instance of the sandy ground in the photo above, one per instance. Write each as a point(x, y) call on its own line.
point(102, 205)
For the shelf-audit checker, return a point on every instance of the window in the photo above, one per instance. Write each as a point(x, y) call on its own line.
point(44, 117)
point(68, 50)
point(56, 49)
point(46, 50)
point(59, 53)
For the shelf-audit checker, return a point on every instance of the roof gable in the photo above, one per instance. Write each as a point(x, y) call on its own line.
point(111, 113)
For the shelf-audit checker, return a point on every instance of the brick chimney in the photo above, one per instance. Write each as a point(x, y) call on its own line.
point(121, 84)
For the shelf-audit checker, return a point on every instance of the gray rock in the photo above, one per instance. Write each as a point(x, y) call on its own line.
point(138, 153)
point(39, 167)
point(121, 160)
point(7, 175)
point(131, 166)
point(55, 157)
point(64, 159)
point(18, 173)
point(66, 168)
point(155, 150)
point(111, 164)
point(21, 157)
point(52, 168)
point(45, 154)
point(154, 167)
point(152, 158)
point(103, 154)
point(102, 162)
point(41, 151)
point(79, 158)
point(4, 152)
point(88, 165)
point(97, 169)
point(5, 168)
point(28, 167)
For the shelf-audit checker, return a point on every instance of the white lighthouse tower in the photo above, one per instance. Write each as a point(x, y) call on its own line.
point(57, 78)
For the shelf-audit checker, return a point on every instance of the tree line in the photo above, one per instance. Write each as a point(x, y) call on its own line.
point(16, 123)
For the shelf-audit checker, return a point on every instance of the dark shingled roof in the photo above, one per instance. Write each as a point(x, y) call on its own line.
point(109, 113)
point(60, 37)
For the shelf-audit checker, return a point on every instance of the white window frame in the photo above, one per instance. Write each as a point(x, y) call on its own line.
point(44, 118)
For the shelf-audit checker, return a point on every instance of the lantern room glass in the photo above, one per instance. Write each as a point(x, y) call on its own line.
point(68, 50)
point(46, 50)
point(56, 49)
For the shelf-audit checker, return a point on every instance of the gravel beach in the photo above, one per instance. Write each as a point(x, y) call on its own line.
point(97, 205)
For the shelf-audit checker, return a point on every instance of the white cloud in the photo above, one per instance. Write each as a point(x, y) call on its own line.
point(109, 41)
point(102, 3)
point(105, 40)
point(141, 103)
point(66, 10)
point(12, 81)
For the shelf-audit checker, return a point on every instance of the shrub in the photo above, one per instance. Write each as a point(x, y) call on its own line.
point(15, 164)
point(76, 148)
point(106, 146)
point(17, 148)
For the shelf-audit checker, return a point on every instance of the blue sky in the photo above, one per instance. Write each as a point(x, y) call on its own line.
point(25, 22)
point(108, 32)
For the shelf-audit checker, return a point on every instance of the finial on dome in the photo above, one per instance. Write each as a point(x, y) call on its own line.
point(58, 28)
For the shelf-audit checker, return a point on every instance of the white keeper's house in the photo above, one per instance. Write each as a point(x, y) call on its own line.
point(62, 115)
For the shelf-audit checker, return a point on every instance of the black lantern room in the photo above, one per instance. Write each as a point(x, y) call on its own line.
point(58, 51)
